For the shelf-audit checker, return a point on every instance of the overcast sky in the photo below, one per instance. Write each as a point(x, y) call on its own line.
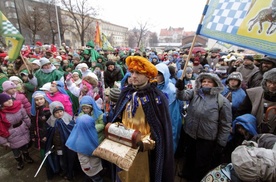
point(158, 14)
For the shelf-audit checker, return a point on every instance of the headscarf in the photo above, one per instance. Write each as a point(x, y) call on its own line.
point(84, 137)
point(38, 94)
point(88, 100)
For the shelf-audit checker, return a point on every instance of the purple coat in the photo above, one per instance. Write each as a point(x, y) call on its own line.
point(20, 135)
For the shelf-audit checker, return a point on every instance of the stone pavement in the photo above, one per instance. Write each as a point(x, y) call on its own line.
point(9, 173)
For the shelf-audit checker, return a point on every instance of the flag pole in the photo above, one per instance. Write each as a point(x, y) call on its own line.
point(193, 42)
point(24, 61)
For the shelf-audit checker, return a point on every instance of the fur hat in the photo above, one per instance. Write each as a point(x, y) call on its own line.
point(6, 85)
point(4, 98)
point(142, 65)
point(109, 63)
point(44, 61)
point(114, 94)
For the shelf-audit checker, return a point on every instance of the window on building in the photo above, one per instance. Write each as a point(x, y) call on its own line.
point(11, 15)
point(9, 4)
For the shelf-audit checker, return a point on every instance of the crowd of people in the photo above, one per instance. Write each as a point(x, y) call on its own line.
point(201, 109)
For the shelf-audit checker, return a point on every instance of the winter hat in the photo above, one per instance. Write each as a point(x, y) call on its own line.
point(58, 108)
point(99, 66)
point(4, 98)
point(235, 75)
point(46, 87)
point(248, 57)
point(107, 91)
point(81, 65)
point(189, 70)
point(37, 62)
point(6, 85)
point(24, 73)
point(269, 59)
point(59, 58)
point(269, 75)
point(114, 94)
point(44, 61)
point(15, 78)
point(77, 72)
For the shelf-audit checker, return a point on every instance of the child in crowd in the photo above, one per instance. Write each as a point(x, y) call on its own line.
point(58, 93)
point(89, 106)
point(84, 140)
point(40, 113)
point(10, 88)
point(14, 129)
point(61, 125)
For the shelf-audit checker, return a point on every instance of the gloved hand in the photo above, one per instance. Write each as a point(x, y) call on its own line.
point(179, 84)
point(146, 144)
point(30, 76)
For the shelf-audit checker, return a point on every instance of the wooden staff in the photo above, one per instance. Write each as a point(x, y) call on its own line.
point(193, 43)
point(24, 61)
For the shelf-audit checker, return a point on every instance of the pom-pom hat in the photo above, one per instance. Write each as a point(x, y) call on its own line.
point(142, 65)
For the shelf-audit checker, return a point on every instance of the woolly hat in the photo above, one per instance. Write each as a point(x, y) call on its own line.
point(6, 85)
point(189, 70)
point(58, 108)
point(114, 94)
point(81, 65)
point(44, 61)
point(77, 72)
point(15, 78)
point(142, 65)
point(248, 57)
point(235, 75)
point(99, 66)
point(4, 98)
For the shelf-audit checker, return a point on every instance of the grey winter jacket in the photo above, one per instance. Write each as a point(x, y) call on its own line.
point(204, 118)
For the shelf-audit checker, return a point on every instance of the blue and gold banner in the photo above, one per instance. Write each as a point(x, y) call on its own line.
point(246, 23)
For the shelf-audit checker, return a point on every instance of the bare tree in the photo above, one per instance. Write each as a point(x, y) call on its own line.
point(140, 32)
point(33, 20)
point(51, 19)
point(81, 13)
